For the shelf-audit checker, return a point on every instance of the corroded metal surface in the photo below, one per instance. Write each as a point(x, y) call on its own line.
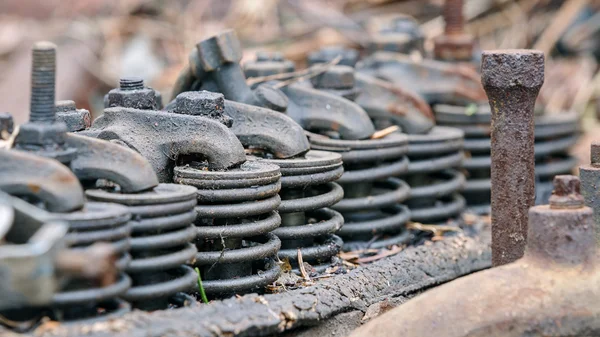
point(413, 270)
point(512, 80)
point(551, 291)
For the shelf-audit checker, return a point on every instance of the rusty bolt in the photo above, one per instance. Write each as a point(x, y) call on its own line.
point(132, 94)
point(590, 183)
point(566, 193)
point(202, 103)
point(43, 135)
point(454, 44)
point(271, 98)
point(336, 77)
point(512, 80)
point(75, 119)
point(7, 125)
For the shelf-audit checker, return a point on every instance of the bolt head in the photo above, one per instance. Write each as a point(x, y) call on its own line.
point(41, 134)
point(454, 48)
point(202, 103)
point(567, 193)
point(336, 77)
point(7, 124)
point(218, 50)
point(512, 69)
point(75, 119)
point(143, 99)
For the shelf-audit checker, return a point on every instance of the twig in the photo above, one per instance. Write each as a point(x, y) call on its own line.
point(567, 12)
point(301, 266)
point(383, 254)
point(8, 144)
point(435, 229)
point(296, 75)
point(385, 132)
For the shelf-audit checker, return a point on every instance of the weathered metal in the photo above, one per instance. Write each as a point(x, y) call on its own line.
point(28, 254)
point(160, 243)
point(435, 81)
point(44, 135)
point(433, 177)
point(75, 119)
point(132, 93)
point(551, 291)
point(41, 180)
point(308, 188)
point(398, 33)
point(235, 216)
point(7, 125)
point(256, 127)
point(454, 44)
point(590, 178)
point(163, 137)
point(512, 80)
point(81, 299)
point(554, 136)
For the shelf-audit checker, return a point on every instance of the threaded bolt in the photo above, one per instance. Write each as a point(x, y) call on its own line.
point(131, 83)
point(43, 82)
point(453, 16)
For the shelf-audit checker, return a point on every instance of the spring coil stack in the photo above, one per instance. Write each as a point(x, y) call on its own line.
point(554, 135)
point(161, 243)
point(234, 218)
point(372, 194)
point(308, 224)
point(80, 300)
point(433, 177)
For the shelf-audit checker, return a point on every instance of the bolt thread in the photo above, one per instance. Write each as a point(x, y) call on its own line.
point(43, 82)
point(131, 83)
point(453, 16)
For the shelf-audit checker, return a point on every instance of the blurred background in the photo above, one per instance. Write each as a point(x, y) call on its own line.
point(102, 40)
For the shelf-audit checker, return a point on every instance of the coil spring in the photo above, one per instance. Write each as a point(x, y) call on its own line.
point(308, 225)
point(81, 300)
point(235, 217)
point(432, 175)
point(372, 195)
point(161, 243)
point(554, 135)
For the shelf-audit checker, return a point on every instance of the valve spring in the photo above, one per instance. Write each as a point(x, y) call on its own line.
point(433, 177)
point(308, 225)
point(235, 217)
point(161, 243)
point(554, 136)
point(371, 206)
point(81, 299)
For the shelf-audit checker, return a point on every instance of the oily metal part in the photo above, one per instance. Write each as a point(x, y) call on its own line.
point(161, 137)
point(436, 185)
point(43, 134)
point(397, 276)
point(549, 291)
point(28, 254)
point(233, 234)
point(160, 249)
point(435, 81)
point(97, 159)
point(42, 179)
point(308, 188)
point(512, 80)
point(75, 119)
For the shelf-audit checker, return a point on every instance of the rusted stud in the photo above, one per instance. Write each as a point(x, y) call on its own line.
point(590, 182)
point(512, 80)
point(454, 44)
